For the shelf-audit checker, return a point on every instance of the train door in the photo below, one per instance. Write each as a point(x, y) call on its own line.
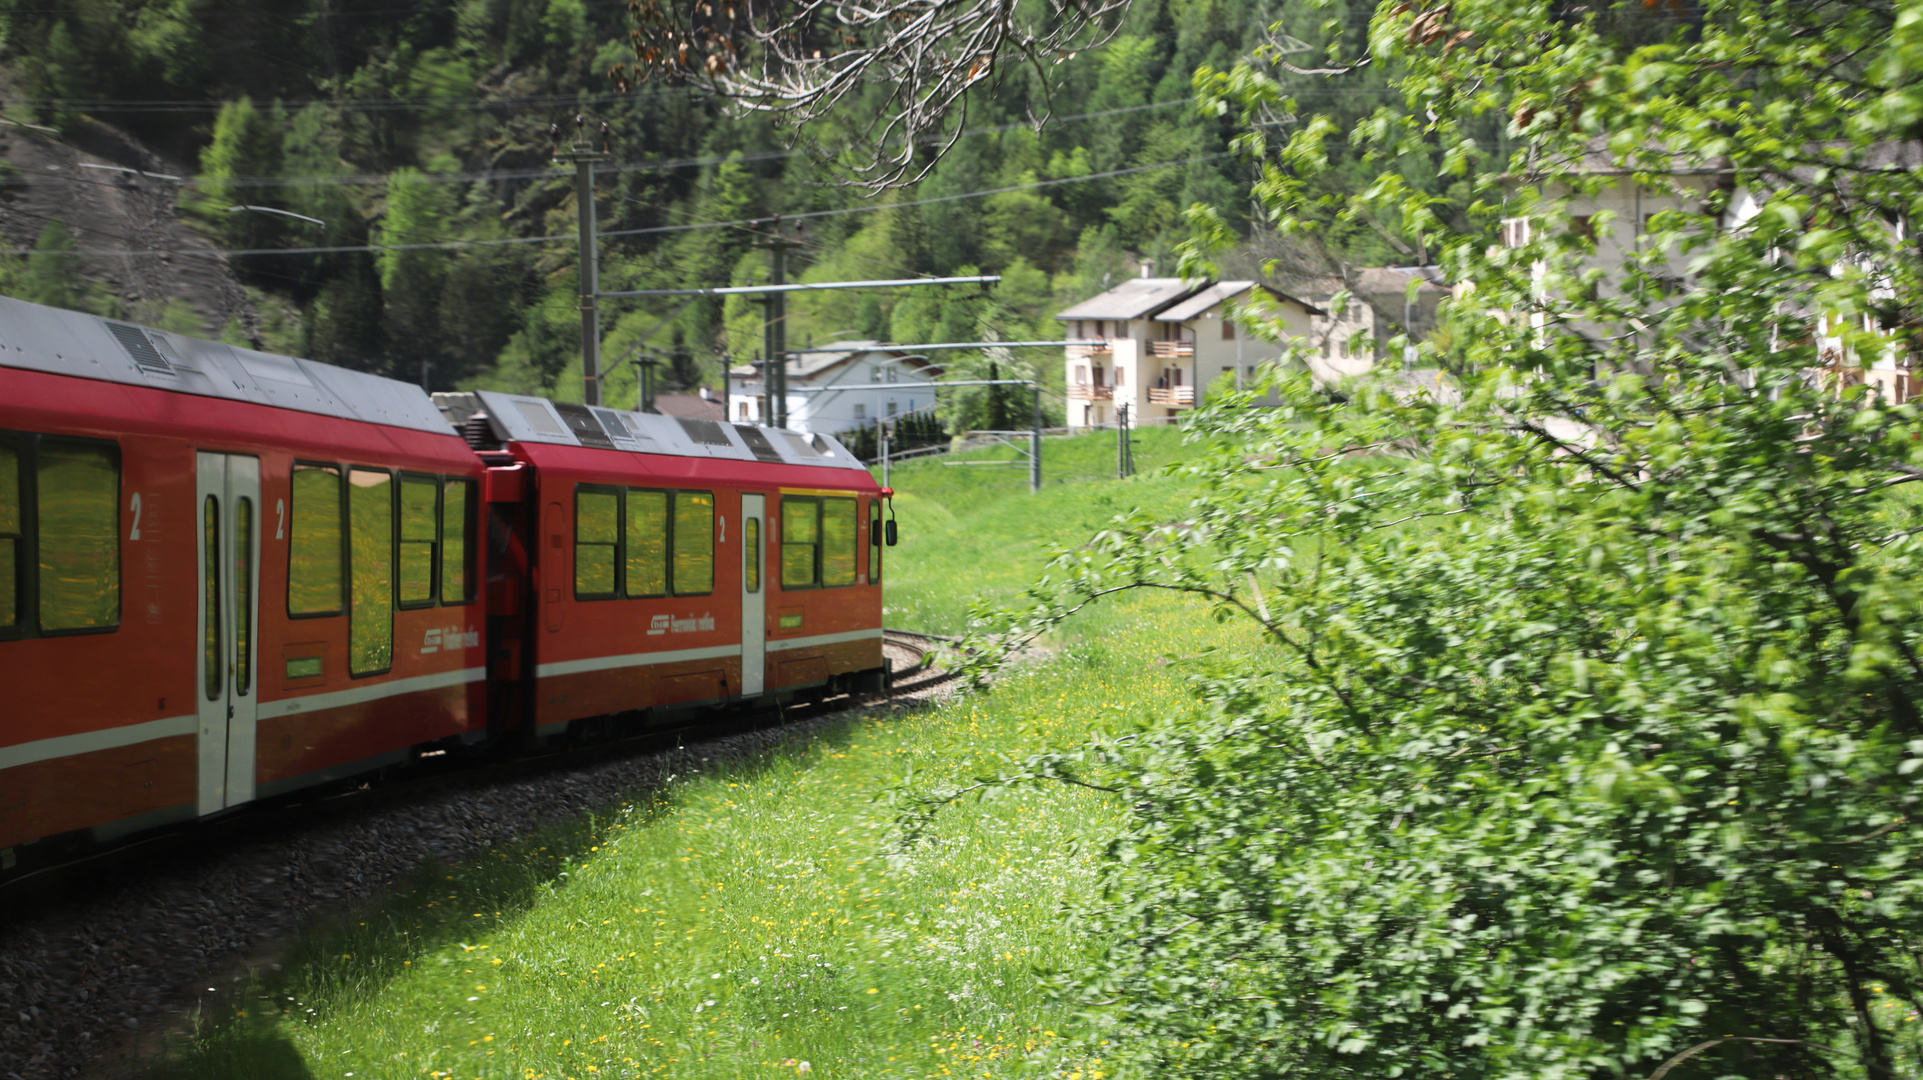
point(227, 531)
point(754, 601)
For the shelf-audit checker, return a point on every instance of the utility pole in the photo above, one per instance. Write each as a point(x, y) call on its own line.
point(583, 156)
point(774, 327)
point(1035, 443)
point(883, 426)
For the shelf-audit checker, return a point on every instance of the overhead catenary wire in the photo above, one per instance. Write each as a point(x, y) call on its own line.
point(452, 245)
point(550, 173)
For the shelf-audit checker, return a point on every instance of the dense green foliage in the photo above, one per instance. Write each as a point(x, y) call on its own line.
point(1587, 741)
point(423, 125)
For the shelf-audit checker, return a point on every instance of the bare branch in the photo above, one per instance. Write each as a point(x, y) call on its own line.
point(801, 59)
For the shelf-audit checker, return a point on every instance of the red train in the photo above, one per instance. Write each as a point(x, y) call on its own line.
point(227, 575)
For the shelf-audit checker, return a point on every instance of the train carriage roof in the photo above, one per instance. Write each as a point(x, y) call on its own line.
point(516, 418)
point(39, 338)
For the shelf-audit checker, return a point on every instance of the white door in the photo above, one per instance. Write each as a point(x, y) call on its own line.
point(227, 527)
point(754, 593)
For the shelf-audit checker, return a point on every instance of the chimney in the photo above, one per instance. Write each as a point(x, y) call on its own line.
point(1148, 267)
point(707, 394)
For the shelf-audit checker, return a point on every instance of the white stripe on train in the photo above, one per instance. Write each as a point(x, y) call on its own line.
point(713, 652)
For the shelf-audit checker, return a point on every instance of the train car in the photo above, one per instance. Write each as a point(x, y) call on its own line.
point(647, 564)
point(224, 574)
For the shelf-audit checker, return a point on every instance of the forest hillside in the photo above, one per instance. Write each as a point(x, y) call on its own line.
point(380, 176)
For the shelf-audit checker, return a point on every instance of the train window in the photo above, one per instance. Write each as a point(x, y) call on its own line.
point(837, 542)
point(800, 542)
point(370, 620)
point(874, 541)
point(597, 540)
point(647, 537)
point(751, 552)
point(243, 595)
point(457, 554)
point(418, 539)
point(77, 512)
point(10, 537)
point(211, 668)
point(693, 542)
point(314, 545)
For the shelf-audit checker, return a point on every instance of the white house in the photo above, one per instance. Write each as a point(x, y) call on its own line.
point(882, 381)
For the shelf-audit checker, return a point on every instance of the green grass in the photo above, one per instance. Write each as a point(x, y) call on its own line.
point(977, 534)
point(742, 924)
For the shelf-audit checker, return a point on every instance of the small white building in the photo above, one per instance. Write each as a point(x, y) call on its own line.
point(882, 381)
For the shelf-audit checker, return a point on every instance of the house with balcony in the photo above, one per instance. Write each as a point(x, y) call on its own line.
point(1149, 343)
point(838, 387)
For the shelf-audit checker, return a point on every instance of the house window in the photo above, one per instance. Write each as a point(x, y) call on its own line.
point(1228, 330)
point(1119, 372)
point(861, 411)
point(893, 375)
point(891, 408)
point(1081, 374)
point(741, 411)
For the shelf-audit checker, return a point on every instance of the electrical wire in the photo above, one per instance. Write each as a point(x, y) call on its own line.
point(552, 173)
point(451, 245)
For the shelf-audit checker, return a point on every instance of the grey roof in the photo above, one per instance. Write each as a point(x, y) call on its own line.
point(519, 418)
point(38, 338)
point(1184, 310)
point(804, 365)
point(690, 407)
point(1132, 299)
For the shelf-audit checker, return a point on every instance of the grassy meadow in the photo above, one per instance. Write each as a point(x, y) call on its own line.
point(756, 921)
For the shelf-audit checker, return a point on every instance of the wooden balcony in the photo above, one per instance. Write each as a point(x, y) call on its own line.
point(1171, 349)
point(1174, 395)
point(1091, 393)
point(1080, 349)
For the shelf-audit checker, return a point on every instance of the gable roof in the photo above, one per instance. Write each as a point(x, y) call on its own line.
point(1132, 299)
point(1195, 305)
point(810, 365)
